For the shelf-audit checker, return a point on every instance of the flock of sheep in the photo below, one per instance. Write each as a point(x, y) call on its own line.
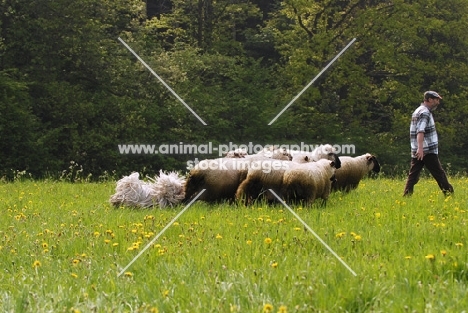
point(294, 176)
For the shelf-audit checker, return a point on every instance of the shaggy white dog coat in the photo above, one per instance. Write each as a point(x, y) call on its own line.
point(165, 190)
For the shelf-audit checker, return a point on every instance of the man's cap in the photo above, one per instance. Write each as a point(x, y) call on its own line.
point(431, 94)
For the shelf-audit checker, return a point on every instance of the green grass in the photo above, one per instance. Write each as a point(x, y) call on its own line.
point(62, 246)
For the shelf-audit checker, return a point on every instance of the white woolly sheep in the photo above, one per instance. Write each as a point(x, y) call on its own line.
point(275, 153)
point(309, 181)
point(353, 169)
point(326, 151)
point(220, 177)
point(237, 153)
point(264, 174)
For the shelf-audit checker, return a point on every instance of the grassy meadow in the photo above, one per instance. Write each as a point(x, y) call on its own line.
point(62, 246)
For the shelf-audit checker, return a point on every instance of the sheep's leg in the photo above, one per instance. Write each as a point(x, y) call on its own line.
point(323, 203)
point(247, 191)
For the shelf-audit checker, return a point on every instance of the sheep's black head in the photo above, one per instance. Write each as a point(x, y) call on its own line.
point(376, 167)
point(337, 161)
point(372, 163)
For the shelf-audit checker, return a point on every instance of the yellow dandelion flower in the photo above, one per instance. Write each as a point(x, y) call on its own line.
point(340, 235)
point(443, 252)
point(177, 223)
point(267, 308)
point(76, 262)
point(96, 234)
point(74, 275)
point(36, 263)
point(218, 236)
point(107, 241)
point(268, 240)
point(274, 264)
point(115, 244)
point(283, 309)
point(357, 237)
point(377, 215)
point(430, 257)
point(154, 310)
point(249, 242)
point(408, 257)
point(459, 244)
point(431, 217)
point(45, 245)
point(165, 293)
point(128, 274)
point(297, 228)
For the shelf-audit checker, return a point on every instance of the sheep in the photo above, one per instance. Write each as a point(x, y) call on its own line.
point(353, 169)
point(274, 152)
point(264, 174)
point(326, 151)
point(237, 153)
point(309, 181)
point(220, 177)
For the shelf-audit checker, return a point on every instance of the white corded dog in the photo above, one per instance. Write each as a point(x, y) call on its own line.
point(165, 190)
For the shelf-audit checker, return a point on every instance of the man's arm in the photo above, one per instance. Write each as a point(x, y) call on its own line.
point(420, 150)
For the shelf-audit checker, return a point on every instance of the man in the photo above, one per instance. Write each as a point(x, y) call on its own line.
point(424, 145)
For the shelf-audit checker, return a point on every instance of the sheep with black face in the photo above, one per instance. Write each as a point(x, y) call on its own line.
point(353, 170)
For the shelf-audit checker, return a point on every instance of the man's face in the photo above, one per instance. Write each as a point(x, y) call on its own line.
point(434, 103)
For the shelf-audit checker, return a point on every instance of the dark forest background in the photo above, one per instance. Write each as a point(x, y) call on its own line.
point(70, 92)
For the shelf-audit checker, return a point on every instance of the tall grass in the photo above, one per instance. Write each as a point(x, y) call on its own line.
point(62, 246)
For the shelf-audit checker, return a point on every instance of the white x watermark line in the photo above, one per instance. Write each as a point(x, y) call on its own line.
point(161, 232)
point(313, 233)
point(313, 80)
point(162, 81)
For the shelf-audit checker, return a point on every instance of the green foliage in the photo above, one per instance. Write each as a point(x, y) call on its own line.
point(79, 93)
point(19, 147)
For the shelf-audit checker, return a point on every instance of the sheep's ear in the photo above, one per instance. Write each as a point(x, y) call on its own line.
point(332, 164)
point(306, 158)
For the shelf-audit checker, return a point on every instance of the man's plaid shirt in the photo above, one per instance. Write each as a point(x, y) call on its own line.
point(422, 121)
